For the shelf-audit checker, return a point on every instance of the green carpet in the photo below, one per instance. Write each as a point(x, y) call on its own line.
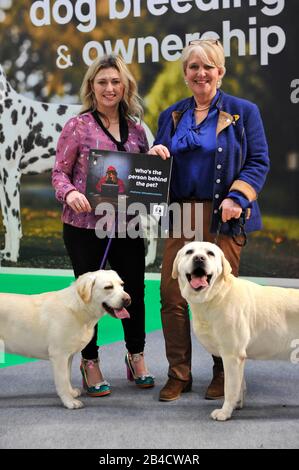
point(110, 328)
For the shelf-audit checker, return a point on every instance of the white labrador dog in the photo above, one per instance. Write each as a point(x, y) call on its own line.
point(56, 325)
point(234, 318)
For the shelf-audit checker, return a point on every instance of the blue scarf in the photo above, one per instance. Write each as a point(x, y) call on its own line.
point(193, 148)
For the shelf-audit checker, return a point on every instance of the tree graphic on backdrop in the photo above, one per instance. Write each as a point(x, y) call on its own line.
point(29, 53)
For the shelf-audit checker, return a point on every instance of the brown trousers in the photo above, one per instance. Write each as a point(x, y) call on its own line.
point(174, 309)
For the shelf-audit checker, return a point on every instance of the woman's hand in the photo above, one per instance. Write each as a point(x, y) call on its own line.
point(230, 210)
point(160, 150)
point(78, 202)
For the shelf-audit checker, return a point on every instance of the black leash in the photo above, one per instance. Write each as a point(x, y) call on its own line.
point(123, 127)
point(236, 229)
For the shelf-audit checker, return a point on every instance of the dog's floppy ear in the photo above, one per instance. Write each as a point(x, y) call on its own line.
point(175, 272)
point(226, 267)
point(84, 286)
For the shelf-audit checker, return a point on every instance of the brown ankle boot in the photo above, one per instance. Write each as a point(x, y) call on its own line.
point(216, 388)
point(173, 388)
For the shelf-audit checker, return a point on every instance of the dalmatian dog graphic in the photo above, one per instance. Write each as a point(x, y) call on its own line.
point(29, 131)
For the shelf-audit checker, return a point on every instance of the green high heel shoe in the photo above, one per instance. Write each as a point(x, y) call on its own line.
point(143, 381)
point(98, 390)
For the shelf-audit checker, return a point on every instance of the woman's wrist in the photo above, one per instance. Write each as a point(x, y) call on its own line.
point(239, 199)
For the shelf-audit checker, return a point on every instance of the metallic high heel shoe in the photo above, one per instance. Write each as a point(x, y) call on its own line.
point(143, 381)
point(98, 390)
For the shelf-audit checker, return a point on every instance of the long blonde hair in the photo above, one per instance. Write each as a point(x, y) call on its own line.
point(131, 101)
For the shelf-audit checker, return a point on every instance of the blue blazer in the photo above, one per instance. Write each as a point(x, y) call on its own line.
point(241, 157)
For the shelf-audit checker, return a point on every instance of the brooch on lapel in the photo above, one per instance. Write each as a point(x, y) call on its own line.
point(236, 117)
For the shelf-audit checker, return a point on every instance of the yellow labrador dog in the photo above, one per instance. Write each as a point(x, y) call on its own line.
point(234, 318)
point(56, 325)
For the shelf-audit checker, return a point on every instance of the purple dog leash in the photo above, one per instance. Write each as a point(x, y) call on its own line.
point(104, 259)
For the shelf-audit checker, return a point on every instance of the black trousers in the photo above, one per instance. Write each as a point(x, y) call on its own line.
point(127, 257)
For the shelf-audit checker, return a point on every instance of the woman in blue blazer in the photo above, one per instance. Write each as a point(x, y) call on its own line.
point(220, 159)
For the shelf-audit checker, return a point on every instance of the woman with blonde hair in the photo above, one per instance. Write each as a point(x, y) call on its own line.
point(110, 110)
point(131, 101)
point(220, 159)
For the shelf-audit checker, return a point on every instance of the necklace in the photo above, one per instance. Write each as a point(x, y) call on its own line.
point(202, 109)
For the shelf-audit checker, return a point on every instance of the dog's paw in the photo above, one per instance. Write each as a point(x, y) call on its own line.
point(73, 404)
point(76, 392)
point(220, 415)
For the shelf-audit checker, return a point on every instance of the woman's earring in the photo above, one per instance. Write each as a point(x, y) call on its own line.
point(186, 81)
point(218, 84)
